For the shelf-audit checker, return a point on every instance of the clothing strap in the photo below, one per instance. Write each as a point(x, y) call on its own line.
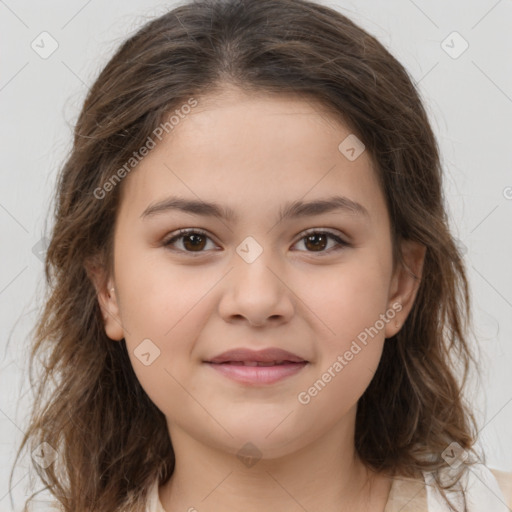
point(407, 495)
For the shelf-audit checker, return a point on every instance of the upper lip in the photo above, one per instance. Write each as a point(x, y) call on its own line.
point(267, 355)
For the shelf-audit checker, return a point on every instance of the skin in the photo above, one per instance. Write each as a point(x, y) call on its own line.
point(253, 153)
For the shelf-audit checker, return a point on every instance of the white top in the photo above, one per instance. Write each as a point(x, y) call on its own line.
point(486, 491)
point(483, 493)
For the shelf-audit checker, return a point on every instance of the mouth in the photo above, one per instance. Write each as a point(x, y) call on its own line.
point(259, 363)
point(269, 356)
point(253, 368)
point(254, 373)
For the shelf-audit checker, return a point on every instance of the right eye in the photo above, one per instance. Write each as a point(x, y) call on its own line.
point(192, 240)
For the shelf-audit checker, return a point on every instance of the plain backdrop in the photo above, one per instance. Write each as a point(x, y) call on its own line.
point(465, 80)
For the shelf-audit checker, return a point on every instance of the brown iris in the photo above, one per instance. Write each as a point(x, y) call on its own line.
point(314, 239)
point(198, 241)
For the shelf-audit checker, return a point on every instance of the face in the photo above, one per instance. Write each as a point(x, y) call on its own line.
point(318, 281)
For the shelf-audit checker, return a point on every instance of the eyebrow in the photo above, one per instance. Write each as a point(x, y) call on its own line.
point(293, 209)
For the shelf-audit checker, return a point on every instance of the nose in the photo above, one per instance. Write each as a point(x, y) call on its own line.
point(256, 293)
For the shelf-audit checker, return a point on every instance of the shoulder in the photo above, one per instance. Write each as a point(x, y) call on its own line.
point(490, 487)
point(486, 486)
point(484, 489)
point(504, 479)
point(152, 503)
point(407, 494)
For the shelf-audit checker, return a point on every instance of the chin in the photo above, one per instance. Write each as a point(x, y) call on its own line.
point(265, 440)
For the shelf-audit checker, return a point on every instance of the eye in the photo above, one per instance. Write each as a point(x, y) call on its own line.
point(318, 240)
point(193, 240)
point(196, 240)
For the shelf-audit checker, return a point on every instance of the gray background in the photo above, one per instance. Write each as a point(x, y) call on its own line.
point(468, 98)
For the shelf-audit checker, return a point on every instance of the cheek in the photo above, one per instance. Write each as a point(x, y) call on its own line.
point(348, 303)
point(158, 295)
point(346, 299)
point(166, 304)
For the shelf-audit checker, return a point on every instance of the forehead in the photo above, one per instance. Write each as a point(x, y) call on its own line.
point(253, 150)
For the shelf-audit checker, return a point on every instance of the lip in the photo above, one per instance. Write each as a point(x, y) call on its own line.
point(257, 375)
point(267, 355)
point(231, 365)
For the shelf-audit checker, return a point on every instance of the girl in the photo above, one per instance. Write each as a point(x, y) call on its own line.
point(256, 302)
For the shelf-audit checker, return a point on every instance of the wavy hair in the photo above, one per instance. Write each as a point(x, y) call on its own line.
point(112, 441)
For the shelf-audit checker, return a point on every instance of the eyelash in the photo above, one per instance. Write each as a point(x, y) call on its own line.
point(341, 244)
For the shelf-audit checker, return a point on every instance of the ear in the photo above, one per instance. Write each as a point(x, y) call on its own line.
point(106, 293)
point(404, 284)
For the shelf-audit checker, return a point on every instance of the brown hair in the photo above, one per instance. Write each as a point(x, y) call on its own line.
point(111, 439)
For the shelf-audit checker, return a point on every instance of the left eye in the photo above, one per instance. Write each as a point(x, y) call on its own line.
point(318, 241)
point(194, 241)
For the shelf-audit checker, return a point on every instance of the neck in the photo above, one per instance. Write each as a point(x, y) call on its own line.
point(325, 475)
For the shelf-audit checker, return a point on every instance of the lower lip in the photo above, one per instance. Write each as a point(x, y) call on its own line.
point(258, 374)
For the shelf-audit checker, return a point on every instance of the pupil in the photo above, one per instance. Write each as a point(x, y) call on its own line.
point(196, 239)
point(317, 246)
